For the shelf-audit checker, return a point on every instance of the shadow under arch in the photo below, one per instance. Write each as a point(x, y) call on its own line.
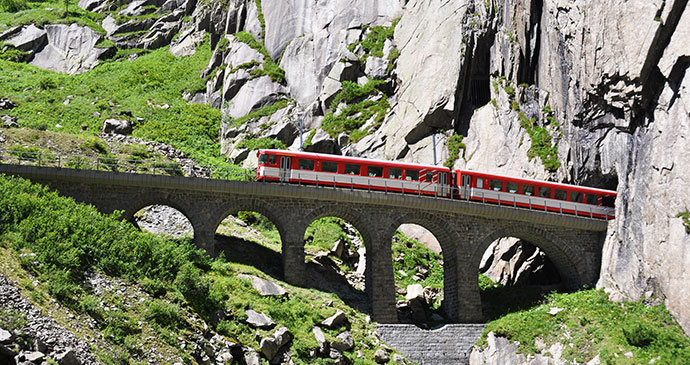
point(555, 248)
point(332, 281)
point(246, 252)
point(446, 238)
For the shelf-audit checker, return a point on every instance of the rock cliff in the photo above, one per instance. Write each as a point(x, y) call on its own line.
point(581, 91)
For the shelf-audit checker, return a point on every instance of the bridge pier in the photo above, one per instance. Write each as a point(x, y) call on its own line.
point(380, 280)
point(294, 267)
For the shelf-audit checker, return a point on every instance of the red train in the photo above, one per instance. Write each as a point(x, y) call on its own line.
point(360, 173)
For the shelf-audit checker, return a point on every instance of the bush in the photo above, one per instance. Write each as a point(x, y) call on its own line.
point(13, 6)
point(639, 334)
point(262, 143)
point(163, 313)
point(454, 146)
point(11, 320)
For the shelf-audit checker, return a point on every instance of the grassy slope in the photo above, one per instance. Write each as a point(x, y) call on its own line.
point(143, 87)
point(69, 239)
point(590, 324)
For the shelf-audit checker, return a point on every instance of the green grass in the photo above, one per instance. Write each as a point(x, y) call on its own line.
point(322, 234)
point(357, 112)
point(686, 220)
point(139, 86)
point(62, 239)
point(266, 111)
point(47, 12)
point(269, 67)
point(594, 325)
point(373, 42)
point(262, 143)
point(409, 254)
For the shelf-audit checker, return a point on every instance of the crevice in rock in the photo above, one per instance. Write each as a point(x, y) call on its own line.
point(474, 82)
point(651, 78)
point(529, 56)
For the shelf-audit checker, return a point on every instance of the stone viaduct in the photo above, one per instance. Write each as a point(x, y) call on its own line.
point(464, 229)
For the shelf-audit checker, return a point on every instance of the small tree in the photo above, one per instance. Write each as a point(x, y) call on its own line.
point(66, 3)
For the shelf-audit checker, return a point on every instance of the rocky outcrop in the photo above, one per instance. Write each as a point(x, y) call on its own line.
point(70, 49)
point(513, 262)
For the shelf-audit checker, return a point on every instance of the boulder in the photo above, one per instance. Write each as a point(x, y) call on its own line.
point(91, 5)
point(27, 38)
point(67, 357)
point(338, 248)
point(35, 357)
point(414, 291)
point(269, 347)
point(263, 286)
point(376, 67)
point(9, 121)
point(253, 95)
point(163, 30)
point(117, 126)
point(320, 339)
point(282, 336)
point(335, 320)
point(5, 336)
point(70, 49)
point(233, 81)
point(343, 342)
point(381, 356)
point(185, 45)
point(112, 27)
point(252, 358)
point(239, 53)
point(7, 104)
point(259, 320)
point(322, 142)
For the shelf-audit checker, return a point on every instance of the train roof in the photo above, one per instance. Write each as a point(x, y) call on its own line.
point(540, 181)
point(357, 159)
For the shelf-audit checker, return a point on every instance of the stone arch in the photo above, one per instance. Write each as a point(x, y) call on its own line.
point(143, 202)
point(440, 228)
point(347, 214)
point(254, 205)
point(566, 260)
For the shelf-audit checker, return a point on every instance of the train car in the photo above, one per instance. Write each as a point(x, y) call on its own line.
point(535, 194)
point(352, 172)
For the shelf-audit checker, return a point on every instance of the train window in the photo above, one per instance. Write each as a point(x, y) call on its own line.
point(411, 175)
point(272, 159)
point(560, 194)
point(576, 197)
point(512, 187)
point(395, 173)
point(329, 166)
point(544, 192)
point(306, 164)
point(480, 183)
point(375, 171)
point(429, 176)
point(496, 185)
point(263, 158)
point(608, 201)
point(592, 199)
point(352, 169)
point(528, 189)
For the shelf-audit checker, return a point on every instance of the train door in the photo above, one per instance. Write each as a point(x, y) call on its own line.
point(285, 165)
point(442, 187)
point(466, 182)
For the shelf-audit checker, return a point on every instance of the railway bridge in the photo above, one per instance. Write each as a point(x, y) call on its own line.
point(464, 229)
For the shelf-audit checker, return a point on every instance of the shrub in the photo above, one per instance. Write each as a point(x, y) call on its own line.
point(13, 6)
point(163, 313)
point(639, 334)
point(11, 320)
point(262, 143)
point(454, 146)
